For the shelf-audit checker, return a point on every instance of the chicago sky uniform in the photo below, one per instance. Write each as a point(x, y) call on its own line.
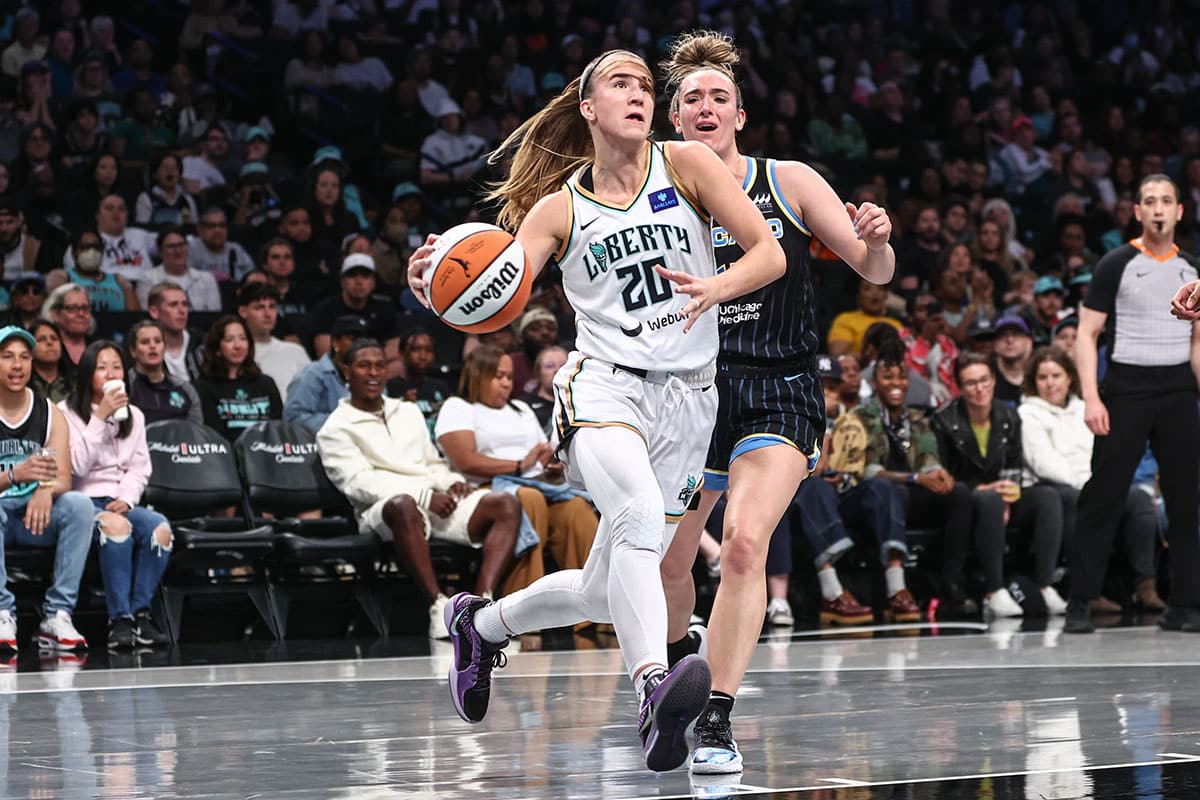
point(633, 366)
point(769, 392)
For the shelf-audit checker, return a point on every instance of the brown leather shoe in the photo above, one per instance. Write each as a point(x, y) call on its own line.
point(1147, 598)
point(1102, 605)
point(902, 607)
point(845, 610)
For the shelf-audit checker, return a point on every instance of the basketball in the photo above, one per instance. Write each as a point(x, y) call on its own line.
point(479, 280)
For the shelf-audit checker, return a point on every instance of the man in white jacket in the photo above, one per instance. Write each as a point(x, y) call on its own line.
point(377, 452)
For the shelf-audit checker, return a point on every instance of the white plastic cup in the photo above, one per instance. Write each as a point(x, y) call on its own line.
point(122, 413)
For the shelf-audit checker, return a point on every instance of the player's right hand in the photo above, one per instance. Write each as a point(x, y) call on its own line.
point(1186, 303)
point(1095, 414)
point(418, 262)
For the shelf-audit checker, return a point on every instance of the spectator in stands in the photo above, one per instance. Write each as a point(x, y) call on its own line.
point(898, 445)
point(956, 222)
point(200, 286)
point(536, 330)
point(110, 464)
point(541, 399)
point(278, 266)
point(25, 47)
point(258, 305)
point(136, 139)
point(377, 452)
point(357, 297)
point(138, 73)
point(19, 249)
point(1057, 446)
point(846, 333)
point(165, 202)
point(183, 347)
point(92, 83)
point(311, 272)
point(1012, 348)
point(256, 204)
point(486, 434)
point(418, 384)
point(212, 251)
point(1048, 296)
point(69, 308)
point(52, 372)
point(295, 16)
point(990, 251)
point(37, 508)
point(327, 212)
point(1064, 334)
point(928, 350)
point(877, 337)
point(392, 247)
point(1027, 167)
point(355, 72)
point(981, 337)
point(917, 253)
point(450, 157)
point(234, 392)
point(26, 299)
point(203, 171)
point(308, 69)
point(316, 390)
point(405, 125)
point(127, 252)
point(851, 384)
point(81, 141)
point(158, 393)
point(106, 291)
point(102, 32)
point(60, 60)
point(999, 211)
point(980, 445)
point(210, 17)
point(37, 141)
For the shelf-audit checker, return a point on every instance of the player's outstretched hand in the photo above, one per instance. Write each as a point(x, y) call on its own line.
point(700, 290)
point(1186, 303)
point(418, 262)
point(871, 223)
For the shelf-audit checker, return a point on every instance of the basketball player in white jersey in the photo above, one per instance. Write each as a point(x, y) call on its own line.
point(635, 403)
point(772, 416)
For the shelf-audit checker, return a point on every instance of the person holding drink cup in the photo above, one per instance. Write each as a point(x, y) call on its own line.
point(980, 445)
point(111, 464)
point(37, 506)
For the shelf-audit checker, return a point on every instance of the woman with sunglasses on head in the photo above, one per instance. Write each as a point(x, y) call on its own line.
point(768, 435)
point(636, 399)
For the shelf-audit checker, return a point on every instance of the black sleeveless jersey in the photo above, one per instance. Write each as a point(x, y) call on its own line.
point(18, 442)
point(777, 323)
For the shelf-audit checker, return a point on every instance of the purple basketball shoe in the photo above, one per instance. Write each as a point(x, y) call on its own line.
point(474, 657)
point(669, 708)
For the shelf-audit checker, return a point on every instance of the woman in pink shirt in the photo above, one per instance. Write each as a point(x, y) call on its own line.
point(111, 464)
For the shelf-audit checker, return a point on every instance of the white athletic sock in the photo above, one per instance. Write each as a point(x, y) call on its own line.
point(894, 577)
point(487, 622)
point(831, 587)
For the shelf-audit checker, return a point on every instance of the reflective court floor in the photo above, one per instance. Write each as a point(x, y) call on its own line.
point(965, 713)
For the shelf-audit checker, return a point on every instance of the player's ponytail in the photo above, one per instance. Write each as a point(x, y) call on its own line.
point(550, 145)
point(696, 51)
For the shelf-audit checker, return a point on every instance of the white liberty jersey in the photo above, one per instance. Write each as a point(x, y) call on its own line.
point(626, 313)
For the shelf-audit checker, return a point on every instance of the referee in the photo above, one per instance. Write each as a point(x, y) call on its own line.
point(1149, 393)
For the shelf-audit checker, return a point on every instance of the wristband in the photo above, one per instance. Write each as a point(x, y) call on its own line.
point(911, 479)
point(516, 468)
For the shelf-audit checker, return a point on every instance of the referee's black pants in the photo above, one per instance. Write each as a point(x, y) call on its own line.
point(1155, 404)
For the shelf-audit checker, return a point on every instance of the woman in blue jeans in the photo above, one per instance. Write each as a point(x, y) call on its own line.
point(111, 464)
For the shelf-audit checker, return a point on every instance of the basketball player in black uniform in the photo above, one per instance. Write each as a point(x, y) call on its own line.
point(771, 417)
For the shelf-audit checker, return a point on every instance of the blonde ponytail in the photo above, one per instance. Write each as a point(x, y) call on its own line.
point(696, 51)
point(551, 145)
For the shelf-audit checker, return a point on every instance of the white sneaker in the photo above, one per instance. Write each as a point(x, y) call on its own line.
point(779, 613)
point(1055, 605)
point(8, 630)
point(58, 633)
point(437, 618)
point(1001, 604)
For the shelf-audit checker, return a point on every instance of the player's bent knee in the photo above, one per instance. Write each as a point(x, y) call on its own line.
point(113, 527)
point(742, 555)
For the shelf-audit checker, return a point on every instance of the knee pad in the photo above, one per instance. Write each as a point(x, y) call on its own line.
point(640, 523)
point(113, 527)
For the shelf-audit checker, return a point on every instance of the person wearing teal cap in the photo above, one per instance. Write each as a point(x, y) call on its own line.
point(37, 506)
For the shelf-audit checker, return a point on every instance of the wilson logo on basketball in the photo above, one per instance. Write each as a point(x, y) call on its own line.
point(494, 290)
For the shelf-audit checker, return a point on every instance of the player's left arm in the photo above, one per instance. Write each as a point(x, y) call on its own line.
point(859, 235)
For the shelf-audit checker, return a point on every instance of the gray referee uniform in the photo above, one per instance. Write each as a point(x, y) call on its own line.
point(1151, 394)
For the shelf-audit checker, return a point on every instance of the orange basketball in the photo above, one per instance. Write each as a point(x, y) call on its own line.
point(479, 280)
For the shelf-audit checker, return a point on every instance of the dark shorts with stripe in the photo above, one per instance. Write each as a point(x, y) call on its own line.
point(762, 406)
